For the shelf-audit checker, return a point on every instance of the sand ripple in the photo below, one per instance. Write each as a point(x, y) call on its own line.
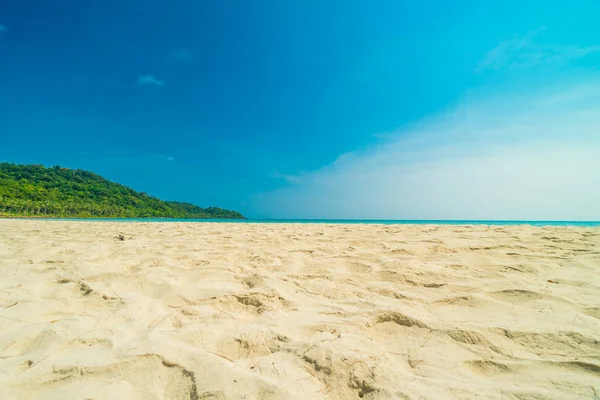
point(228, 311)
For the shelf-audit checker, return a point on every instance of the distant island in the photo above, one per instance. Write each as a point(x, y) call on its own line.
point(37, 191)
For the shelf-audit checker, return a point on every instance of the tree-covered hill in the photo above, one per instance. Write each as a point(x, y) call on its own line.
point(34, 190)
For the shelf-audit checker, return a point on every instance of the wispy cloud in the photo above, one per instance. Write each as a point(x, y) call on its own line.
point(149, 80)
point(291, 179)
point(181, 55)
point(162, 157)
point(534, 158)
point(526, 50)
point(2, 29)
point(138, 158)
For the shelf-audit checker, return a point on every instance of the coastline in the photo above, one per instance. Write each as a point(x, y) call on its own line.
point(538, 223)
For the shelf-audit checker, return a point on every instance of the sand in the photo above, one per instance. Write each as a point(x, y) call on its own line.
point(295, 311)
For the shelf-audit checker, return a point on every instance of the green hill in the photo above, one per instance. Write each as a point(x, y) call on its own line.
point(34, 190)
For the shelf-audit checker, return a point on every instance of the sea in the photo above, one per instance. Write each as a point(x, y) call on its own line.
point(345, 221)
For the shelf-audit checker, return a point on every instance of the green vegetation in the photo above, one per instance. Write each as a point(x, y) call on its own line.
point(34, 190)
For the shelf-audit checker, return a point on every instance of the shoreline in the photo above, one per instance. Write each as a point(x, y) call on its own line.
point(534, 223)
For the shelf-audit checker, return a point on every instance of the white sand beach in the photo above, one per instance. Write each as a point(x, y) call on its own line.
point(297, 311)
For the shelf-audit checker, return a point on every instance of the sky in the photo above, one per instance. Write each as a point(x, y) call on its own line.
point(303, 109)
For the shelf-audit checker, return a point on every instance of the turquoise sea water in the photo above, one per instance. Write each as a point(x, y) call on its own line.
point(358, 221)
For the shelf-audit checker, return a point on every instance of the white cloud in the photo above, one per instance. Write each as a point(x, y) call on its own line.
point(287, 178)
point(149, 80)
point(525, 51)
point(161, 157)
point(182, 55)
point(139, 159)
point(537, 157)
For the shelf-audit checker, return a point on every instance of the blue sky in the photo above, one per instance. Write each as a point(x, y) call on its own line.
point(298, 109)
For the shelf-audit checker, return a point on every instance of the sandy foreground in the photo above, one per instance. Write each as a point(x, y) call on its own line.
point(278, 311)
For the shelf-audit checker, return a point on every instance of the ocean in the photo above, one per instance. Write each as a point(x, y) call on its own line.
point(341, 221)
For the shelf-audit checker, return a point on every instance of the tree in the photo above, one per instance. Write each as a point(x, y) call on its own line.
point(59, 192)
